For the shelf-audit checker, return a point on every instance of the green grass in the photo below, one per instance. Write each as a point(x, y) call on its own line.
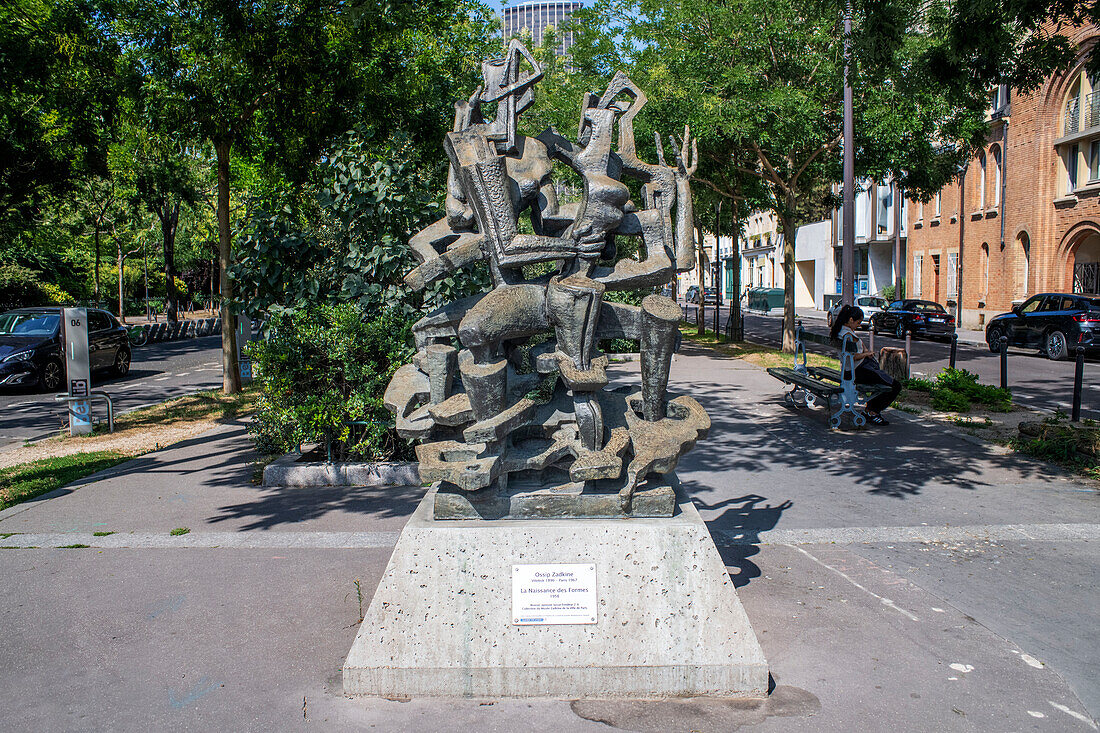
point(101, 534)
point(179, 531)
point(198, 406)
point(762, 356)
point(76, 546)
point(25, 481)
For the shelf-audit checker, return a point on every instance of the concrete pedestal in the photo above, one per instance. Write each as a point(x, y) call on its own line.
point(669, 623)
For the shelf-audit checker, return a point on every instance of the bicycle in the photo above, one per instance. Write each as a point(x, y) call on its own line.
point(139, 334)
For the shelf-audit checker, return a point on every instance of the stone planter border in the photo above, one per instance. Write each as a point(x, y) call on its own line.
point(291, 471)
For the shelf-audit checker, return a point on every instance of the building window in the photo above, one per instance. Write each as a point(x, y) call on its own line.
point(884, 209)
point(939, 201)
point(1023, 271)
point(981, 180)
point(952, 274)
point(996, 154)
point(985, 270)
point(918, 267)
point(920, 211)
point(1080, 129)
point(1072, 155)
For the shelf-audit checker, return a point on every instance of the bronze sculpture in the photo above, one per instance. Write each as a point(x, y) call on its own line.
point(508, 387)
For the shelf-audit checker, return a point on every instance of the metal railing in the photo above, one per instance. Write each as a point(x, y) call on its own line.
point(94, 393)
point(1092, 109)
point(1073, 117)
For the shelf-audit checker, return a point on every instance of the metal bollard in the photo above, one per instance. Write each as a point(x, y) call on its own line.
point(872, 338)
point(1004, 362)
point(954, 347)
point(908, 354)
point(1078, 377)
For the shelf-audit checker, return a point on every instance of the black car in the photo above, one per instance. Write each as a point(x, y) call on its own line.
point(31, 351)
point(918, 317)
point(1054, 323)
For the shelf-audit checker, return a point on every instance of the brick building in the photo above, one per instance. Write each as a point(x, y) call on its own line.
point(1024, 217)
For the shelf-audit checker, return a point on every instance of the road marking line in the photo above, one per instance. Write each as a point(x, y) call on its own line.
point(885, 601)
point(183, 374)
point(1074, 713)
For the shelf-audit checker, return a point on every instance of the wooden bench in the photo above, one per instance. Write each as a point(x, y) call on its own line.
point(811, 384)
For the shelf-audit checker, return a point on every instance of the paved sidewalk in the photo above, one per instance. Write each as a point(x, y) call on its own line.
point(899, 580)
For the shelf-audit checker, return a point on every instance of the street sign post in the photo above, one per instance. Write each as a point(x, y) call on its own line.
point(77, 369)
point(244, 333)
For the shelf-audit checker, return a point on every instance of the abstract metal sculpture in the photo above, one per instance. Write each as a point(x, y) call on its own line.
point(507, 388)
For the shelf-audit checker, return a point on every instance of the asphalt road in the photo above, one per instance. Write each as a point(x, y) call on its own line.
point(159, 372)
point(1035, 380)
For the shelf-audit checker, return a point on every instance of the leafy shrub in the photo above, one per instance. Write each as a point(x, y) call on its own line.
point(21, 286)
point(955, 390)
point(888, 291)
point(950, 401)
point(323, 368)
point(966, 383)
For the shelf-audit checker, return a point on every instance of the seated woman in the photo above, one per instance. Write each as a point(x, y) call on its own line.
point(867, 368)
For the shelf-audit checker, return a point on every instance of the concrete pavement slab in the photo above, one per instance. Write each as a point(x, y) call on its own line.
point(207, 484)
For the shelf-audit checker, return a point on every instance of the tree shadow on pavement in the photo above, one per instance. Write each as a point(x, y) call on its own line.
point(277, 506)
point(754, 433)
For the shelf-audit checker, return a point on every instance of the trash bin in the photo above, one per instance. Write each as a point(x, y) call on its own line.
point(772, 298)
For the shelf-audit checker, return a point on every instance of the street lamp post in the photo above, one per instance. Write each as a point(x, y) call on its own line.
point(847, 247)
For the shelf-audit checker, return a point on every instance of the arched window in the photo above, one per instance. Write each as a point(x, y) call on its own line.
point(1071, 111)
point(1080, 127)
point(996, 155)
point(981, 180)
point(985, 270)
point(1024, 269)
point(1086, 264)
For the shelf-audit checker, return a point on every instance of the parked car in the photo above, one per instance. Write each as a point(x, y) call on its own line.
point(1051, 322)
point(710, 296)
point(869, 304)
point(918, 317)
point(31, 351)
point(691, 295)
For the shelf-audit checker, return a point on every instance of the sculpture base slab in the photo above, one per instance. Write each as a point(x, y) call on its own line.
point(656, 498)
point(669, 623)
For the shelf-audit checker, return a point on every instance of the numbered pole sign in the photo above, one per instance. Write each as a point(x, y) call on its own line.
point(77, 369)
point(244, 333)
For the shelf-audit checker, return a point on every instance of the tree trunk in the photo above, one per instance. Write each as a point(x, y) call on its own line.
point(790, 232)
point(97, 261)
point(735, 301)
point(121, 263)
point(169, 218)
point(231, 375)
point(701, 265)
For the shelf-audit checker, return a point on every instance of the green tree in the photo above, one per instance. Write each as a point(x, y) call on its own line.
point(278, 81)
point(58, 62)
point(761, 84)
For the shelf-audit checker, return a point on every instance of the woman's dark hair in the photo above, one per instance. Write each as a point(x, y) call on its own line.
point(846, 313)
